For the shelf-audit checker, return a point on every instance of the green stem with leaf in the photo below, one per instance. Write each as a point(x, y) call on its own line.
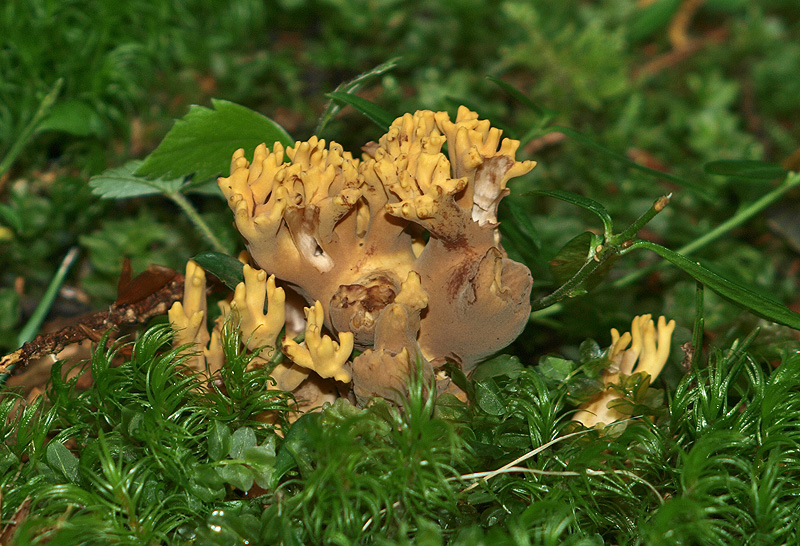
point(745, 214)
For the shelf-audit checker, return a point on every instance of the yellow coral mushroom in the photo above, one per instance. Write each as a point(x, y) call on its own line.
point(259, 330)
point(319, 352)
point(648, 352)
point(397, 253)
point(188, 318)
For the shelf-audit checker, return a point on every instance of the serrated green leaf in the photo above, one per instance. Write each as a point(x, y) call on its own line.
point(372, 111)
point(745, 168)
point(489, 398)
point(226, 268)
point(219, 441)
point(203, 141)
point(62, 460)
point(74, 117)
point(583, 202)
point(242, 439)
point(758, 304)
point(122, 183)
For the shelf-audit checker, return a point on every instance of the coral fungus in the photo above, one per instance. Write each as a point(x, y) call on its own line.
point(647, 354)
point(397, 254)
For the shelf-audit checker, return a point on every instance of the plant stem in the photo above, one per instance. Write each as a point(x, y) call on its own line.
point(31, 327)
point(194, 216)
point(699, 322)
point(734, 221)
point(563, 291)
point(19, 143)
point(649, 214)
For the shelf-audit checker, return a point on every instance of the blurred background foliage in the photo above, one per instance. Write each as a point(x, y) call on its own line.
point(623, 72)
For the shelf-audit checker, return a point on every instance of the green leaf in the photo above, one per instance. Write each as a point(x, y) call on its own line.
point(74, 117)
point(351, 87)
point(450, 408)
point(555, 368)
point(237, 475)
point(203, 141)
point(745, 168)
point(589, 350)
point(296, 450)
point(226, 268)
point(488, 397)
point(242, 439)
point(651, 19)
point(758, 304)
point(514, 440)
point(61, 459)
point(573, 256)
point(122, 183)
point(219, 441)
point(583, 202)
point(261, 460)
point(261, 456)
point(500, 365)
point(375, 113)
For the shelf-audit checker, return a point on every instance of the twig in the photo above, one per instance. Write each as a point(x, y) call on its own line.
point(488, 475)
point(678, 30)
point(93, 325)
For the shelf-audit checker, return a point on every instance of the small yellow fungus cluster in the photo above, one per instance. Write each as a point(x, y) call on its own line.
point(647, 354)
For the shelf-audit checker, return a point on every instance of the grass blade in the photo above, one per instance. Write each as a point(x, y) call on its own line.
point(351, 87)
point(375, 113)
point(758, 304)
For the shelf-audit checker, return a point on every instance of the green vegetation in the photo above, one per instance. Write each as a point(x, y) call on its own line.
point(617, 110)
